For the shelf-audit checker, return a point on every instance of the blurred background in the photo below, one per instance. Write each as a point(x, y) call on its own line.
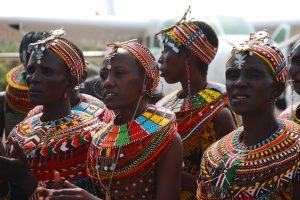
point(92, 23)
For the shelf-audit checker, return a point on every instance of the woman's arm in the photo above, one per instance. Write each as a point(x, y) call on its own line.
point(169, 172)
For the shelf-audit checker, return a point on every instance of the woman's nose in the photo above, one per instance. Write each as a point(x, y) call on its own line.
point(109, 82)
point(160, 59)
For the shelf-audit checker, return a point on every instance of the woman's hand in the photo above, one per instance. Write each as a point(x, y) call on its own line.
point(16, 169)
point(69, 191)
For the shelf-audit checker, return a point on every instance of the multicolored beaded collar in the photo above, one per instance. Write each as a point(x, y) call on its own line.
point(229, 169)
point(49, 144)
point(192, 114)
point(137, 149)
point(16, 94)
point(290, 113)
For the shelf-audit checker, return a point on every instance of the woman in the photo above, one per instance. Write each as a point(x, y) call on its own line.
point(293, 113)
point(58, 138)
point(14, 102)
point(139, 155)
point(202, 111)
point(261, 159)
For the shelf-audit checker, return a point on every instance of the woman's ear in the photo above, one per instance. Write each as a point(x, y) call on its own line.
point(84, 76)
point(279, 87)
point(72, 83)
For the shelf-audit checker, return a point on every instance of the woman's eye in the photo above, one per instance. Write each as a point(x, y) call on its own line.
point(119, 73)
point(103, 75)
point(232, 75)
point(296, 60)
point(47, 72)
point(253, 74)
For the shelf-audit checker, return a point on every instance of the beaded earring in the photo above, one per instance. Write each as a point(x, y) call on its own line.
point(189, 104)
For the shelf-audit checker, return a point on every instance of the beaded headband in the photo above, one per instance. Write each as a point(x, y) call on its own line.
point(187, 33)
point(64, 49)
point(143, 55)
point(261, 45)
point(16, 94)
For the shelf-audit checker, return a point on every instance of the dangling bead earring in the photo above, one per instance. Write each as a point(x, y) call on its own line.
point(65, 95)
point(293, 113)
point(189, 104)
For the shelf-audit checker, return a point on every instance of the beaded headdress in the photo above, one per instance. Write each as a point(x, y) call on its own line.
point(188, 33)
point(261, 45)
point(16, 94)
point(64, 49)
point(143, 55)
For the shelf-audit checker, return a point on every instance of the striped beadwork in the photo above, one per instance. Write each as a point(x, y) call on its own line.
point(230, 170)
point(127, 154)
point(59, 145)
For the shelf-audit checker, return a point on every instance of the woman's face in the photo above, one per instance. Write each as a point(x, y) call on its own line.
point(47, 81)
point(122, 83)
point(250, 88)
point(294, 69)
point(172, 65)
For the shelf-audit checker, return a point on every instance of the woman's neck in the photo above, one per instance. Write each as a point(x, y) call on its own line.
point(56, 110)
point(259, 127)
point(197, 83)
point(128, 114)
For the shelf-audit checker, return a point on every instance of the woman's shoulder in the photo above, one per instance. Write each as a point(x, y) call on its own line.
point(288, 112)
point(216, 86)
point(169, 97)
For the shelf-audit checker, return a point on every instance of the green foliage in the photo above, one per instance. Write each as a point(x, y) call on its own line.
point(6, 65)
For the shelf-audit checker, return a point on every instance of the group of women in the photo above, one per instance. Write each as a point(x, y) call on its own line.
point(187, 146)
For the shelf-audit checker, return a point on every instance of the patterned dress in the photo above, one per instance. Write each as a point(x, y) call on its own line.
point(123, 158)
point(230, 170)
point(195, 123)
point(59, 145)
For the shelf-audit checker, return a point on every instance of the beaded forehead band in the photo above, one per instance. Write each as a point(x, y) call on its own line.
point(261, 45)
point(142, 54)
point(64, 49)
point(187, 33)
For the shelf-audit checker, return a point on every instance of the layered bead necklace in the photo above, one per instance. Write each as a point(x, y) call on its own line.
point(193, 113)
point(232, 170)
point(59, 145)
point(123, 155)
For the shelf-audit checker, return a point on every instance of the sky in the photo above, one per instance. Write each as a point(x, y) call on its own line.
point(253, 10)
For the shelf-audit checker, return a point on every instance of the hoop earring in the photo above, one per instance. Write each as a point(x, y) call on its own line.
point(76, 87)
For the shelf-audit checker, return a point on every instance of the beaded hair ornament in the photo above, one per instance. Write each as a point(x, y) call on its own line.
point(64, 49)
point(187, 33)
point(142, 54)
point(261, 45)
